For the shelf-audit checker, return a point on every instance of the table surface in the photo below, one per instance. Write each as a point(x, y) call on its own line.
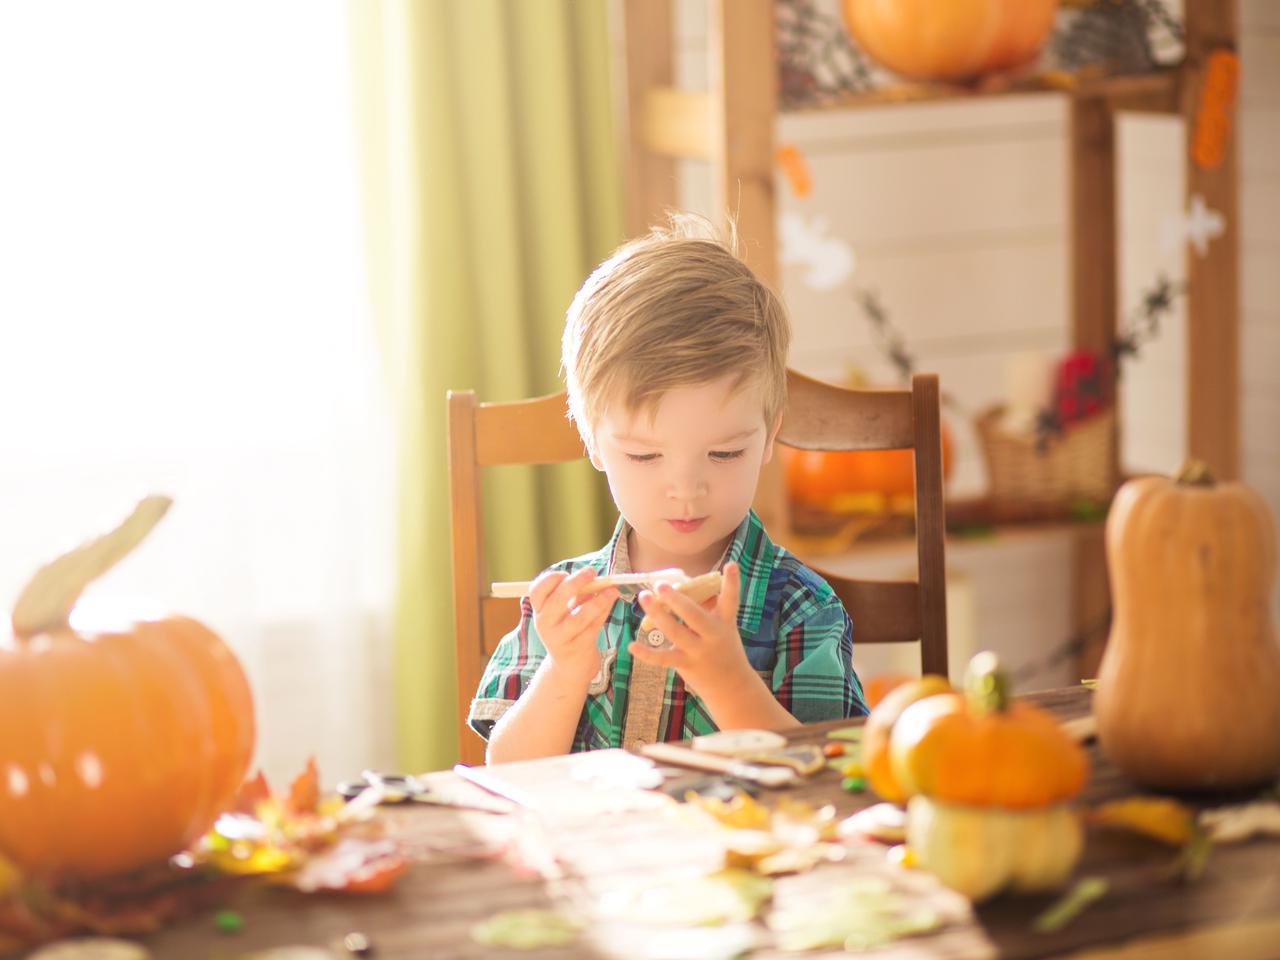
point(1232, 910)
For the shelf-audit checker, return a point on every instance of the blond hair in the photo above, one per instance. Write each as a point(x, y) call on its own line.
point(674, 308)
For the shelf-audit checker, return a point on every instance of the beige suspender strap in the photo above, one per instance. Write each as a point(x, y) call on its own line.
point(645, 690)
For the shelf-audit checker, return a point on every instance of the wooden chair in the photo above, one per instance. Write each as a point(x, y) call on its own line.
point(819, 417)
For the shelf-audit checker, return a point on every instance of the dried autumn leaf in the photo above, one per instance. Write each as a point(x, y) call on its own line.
point(352, 865)
point(726, 896)
point(1240, 822)
point(252, 792)
point(1070, 905)
point(740, 813)
point(9, 877)
point(304, 792)
point(858, 915)
point(1160, 818)
point(526, 930)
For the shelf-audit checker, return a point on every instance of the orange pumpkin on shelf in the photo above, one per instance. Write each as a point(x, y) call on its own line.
point(120, 743)
point(950, 40)
point(828, 479)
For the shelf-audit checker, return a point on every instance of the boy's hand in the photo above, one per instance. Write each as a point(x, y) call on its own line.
point(568, 616)
point(708, 649)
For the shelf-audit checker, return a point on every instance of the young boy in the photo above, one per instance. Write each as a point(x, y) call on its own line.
point(675, 357)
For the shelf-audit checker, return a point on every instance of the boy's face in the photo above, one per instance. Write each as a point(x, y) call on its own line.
point(685, 479)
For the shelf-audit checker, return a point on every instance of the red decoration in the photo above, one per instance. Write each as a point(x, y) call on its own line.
point(1084, 386)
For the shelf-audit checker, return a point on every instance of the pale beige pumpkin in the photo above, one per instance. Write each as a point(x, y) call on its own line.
point(1188, 693)
point(979, 851)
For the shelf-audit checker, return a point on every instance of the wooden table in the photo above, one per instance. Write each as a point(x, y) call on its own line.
point(1232, 911)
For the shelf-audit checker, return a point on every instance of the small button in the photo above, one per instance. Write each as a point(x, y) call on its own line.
point(656, 638)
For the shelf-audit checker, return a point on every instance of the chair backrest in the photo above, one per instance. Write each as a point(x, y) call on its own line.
point(819, 416)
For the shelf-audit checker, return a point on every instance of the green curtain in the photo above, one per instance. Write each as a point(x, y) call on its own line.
point(492, 186)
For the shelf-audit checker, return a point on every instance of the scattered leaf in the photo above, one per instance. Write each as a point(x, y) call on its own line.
point(1190, 862)
point(886, 822)
point(526, 930)
point(1160, 818)
point(857, 916)
point(304, 792)
point(1229, 824)
point(93, 948)
point(726, 896)
point(353, 865)
point(1070, 905)
point(10, 878)
point(742, 812)
point(846, 733)
point(252, 792)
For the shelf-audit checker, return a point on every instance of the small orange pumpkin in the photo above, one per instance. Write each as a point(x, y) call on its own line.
point(983, 749)
point(950, 39)
point(118, 746)
point(879, 729)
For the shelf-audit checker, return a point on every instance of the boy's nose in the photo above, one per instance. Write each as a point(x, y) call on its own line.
point(686, 485)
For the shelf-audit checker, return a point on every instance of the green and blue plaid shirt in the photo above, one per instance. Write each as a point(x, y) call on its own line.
point(795, 630)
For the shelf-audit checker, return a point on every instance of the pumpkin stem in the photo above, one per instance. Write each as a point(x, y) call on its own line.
point(986, 685)
point(46, 601)
point(1195, 473)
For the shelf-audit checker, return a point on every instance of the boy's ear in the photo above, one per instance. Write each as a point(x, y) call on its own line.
point(593, 454)
point(768, 442)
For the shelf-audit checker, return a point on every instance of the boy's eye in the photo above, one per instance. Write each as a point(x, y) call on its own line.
point(642, 457)
point(723, 455)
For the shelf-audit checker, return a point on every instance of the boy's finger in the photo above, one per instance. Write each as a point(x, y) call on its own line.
point(585, 620)
point(544, 586)
point(662, 617)
point(730, 592)
point(690, 611)
point(593, 608)
point(566, 592)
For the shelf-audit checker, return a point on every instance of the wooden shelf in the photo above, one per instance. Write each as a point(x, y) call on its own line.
point(731, 125)
point(969, 522)
point(1152, 92)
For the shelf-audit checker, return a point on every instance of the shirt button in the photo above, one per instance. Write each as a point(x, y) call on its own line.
point(656, 638)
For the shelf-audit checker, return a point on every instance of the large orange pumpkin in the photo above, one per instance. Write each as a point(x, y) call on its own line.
point(119, 745)
point(1189, 687)
point(950, 39)
point(822, 478)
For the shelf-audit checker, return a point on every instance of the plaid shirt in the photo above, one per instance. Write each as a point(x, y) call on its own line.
point(796, 634)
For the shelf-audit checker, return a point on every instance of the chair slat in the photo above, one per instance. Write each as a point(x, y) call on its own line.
point(882, 611)
point(498, 617)
point(821, 416)
point(527, 431)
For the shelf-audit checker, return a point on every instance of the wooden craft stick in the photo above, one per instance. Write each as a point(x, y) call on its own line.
point(699, 760)
point(697, 589)
point(673, 575)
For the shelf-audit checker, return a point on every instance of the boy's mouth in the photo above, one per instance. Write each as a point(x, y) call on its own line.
point(687, 526)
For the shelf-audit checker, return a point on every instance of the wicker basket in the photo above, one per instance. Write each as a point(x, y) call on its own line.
point(1027, 479)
